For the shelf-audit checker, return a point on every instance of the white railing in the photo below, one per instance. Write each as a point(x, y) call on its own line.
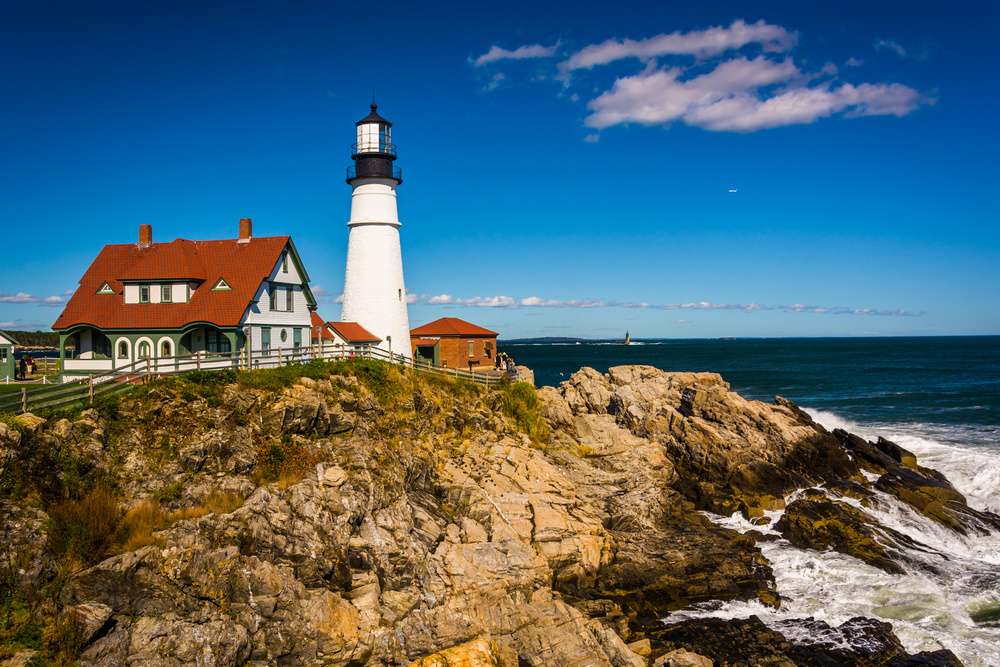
point(101, 381)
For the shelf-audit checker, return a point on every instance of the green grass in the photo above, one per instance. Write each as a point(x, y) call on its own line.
point(520, 401)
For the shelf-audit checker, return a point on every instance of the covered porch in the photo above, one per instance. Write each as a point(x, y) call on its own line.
point(85, 348)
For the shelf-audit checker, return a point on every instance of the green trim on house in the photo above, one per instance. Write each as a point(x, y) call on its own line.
point(303, 275)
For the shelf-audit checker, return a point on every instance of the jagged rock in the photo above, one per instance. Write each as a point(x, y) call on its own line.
point(926, 491)
point(741, 641)
point(814, 521)
point(682, 658)
point(90, 619)
point(480, 652)
point(525, 374)
point(857, 641)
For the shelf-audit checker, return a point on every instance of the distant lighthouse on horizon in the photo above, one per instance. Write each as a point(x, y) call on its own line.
point(374, 291)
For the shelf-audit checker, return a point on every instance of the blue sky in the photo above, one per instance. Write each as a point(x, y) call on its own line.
point(567, 170)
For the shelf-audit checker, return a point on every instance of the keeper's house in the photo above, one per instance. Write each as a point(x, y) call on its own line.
point(155, 301)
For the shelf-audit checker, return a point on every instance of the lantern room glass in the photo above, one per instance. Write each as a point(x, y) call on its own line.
point(374, 138)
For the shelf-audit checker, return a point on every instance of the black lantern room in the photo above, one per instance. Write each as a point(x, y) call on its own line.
point(373, 152)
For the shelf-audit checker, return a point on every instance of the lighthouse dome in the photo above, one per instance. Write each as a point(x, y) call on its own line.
point(374, 117)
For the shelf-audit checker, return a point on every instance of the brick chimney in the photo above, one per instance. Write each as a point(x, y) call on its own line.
point(145, 236)
point(246, 230)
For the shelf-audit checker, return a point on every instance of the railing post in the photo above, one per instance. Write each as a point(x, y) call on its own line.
point(90, 390)
point(24, 399)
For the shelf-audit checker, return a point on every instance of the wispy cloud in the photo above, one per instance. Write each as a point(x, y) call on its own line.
point(890, 45)
point(732, 97)
point(701, 43)
point(25, 297)
point(854, 62)
point(525, 52)
point(494, 82)
point(504, 301)
point(21, 325)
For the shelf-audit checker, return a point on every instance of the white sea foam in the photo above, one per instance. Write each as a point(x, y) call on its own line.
point(962, 454)
point(929, 607)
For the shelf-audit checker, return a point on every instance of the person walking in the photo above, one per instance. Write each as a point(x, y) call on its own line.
point(23, 367)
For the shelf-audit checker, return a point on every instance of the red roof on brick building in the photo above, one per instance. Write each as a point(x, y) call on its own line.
point(451, 326)
point(243, 264)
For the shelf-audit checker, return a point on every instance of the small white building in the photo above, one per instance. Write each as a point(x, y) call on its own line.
point(342, 336)
point(7, 361)
point(146, 304)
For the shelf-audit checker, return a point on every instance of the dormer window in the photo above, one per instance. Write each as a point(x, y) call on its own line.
point(166, 293)
point(143, 293)
point(221, 285)
point(105, 288)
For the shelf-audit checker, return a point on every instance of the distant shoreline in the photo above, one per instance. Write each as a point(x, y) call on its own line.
point(560, 340)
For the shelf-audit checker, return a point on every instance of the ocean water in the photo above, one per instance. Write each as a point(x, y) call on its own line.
point(938, 397)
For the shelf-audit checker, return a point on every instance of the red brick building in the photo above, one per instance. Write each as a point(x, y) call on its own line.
point(451, 342)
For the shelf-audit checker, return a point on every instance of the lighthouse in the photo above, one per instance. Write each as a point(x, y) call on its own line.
point(374, 292)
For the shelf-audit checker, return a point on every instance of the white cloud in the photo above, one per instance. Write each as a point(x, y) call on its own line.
point(701, 43)
point(496, 53)
point(890, 45)
point(20, 297)
point(739, 94)
point(539, 302)
point(477, 301)
point(730, 98)
point(25, 297)
point(592, 138)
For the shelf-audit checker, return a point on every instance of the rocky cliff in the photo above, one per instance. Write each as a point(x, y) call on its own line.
point(349, 514)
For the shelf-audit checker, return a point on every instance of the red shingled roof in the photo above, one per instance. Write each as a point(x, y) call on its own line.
point(320, 330)
point(242, 265)
point(451, 326)
point(353, 332)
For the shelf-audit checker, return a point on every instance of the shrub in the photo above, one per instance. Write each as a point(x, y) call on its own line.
point(83, 531)
point(287, 461)
point(148, 517)
point(520, 401)
point(283, 376)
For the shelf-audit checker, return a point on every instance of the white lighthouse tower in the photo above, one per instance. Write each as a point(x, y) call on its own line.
point(374, 292)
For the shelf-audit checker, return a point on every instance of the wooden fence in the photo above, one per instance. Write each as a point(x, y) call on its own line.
point(84, 390)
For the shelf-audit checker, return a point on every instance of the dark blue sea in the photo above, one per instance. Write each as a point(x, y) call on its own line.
point(938, 397)
point(947, 381)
